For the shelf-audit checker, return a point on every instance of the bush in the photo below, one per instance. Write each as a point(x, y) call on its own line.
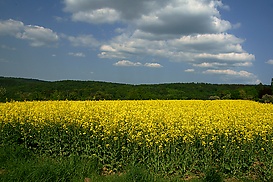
point(215, 97)
point(267, 98)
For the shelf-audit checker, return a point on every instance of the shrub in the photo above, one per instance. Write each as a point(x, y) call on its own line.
point(215, 97)
point(267, 98)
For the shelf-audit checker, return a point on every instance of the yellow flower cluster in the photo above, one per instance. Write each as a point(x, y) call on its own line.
point(150, 123)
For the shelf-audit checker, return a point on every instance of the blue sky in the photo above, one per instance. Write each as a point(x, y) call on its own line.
point(137, 42)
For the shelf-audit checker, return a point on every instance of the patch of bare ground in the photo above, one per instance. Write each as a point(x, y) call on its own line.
point(2, 171)
point(193, 176)
point(87, 179)
point(232, 180)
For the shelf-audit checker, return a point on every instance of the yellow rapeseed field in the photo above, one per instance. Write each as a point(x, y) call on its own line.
point(171, 136)
point(153, 122)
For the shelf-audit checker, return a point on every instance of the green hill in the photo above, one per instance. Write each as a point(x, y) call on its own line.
point(20, 89)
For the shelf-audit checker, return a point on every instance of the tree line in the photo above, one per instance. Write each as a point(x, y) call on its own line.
point(20, 89)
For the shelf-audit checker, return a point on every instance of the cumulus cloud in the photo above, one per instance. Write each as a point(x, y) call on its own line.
point(153, 65)
point(270, 61)
point(194, 17)
point(156, 16)
point(136, 64)
point(11, 27)
point(212, 43)
point(76, 54)
point(127, 63)
point(36, 35)
point(94, 11)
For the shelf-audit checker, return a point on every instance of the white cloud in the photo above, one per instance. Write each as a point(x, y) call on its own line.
point(195, 17)
point(270, 61)
point(189, 70)
point(246, 64)
point(232, 56)
point(153, 65)
point(227, 72)
point(221, 49)
point(213, 43)
point(208, 65)
point(223, 65)
point(155, 16)
point(127, 63)
point(83, 41)
point(36, 35)
point(76, 54)
point(99, 11)
point(136, 64)
point(121, 47)
point(104, 15)
point(11, 27)
point(232, 74)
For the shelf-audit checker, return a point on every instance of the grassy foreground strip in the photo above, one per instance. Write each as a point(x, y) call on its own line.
point(144, 140)
point(19, 164)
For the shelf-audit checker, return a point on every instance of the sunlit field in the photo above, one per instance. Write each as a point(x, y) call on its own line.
point(168, 137)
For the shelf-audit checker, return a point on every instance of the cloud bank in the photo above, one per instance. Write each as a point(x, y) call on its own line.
point(189, 31)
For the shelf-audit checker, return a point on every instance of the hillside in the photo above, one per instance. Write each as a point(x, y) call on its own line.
point(20, 89)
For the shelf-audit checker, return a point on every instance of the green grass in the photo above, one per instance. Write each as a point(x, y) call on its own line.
point(61, 157)
point(20, 164)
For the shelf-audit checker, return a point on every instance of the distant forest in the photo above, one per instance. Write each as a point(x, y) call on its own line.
point(20, 89)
